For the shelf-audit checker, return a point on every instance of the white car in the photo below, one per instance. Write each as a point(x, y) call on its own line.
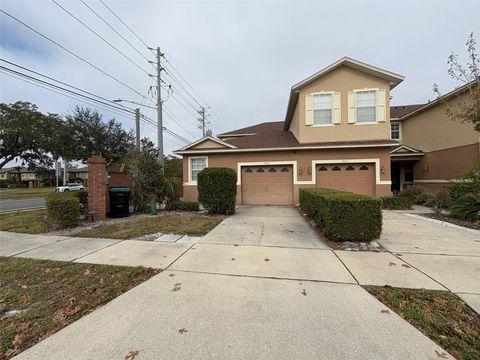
point(70, 187)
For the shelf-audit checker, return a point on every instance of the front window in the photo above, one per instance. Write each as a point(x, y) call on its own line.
point(197, 165)
point(322, 109)
point(395, 130)
point(366, 106)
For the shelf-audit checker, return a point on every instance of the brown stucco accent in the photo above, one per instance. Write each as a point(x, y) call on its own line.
point(445, 164)
point(304, 163)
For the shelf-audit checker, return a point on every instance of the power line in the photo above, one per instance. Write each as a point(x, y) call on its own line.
point(116, 32)
point(101, 37)
point(63, 94)
point(128, 27)
point(46, 83)
point(71, 52)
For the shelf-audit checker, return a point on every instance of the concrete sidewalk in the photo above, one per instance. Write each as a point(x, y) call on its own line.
point(264, 286)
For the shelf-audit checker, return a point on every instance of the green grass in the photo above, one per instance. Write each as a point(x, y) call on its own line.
point(440, 315)
point(29, 222)
point(25, 193)
point(176, 223)
point(54, 294)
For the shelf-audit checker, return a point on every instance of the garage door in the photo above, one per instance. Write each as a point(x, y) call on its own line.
point(267, 185)
point(356, 178)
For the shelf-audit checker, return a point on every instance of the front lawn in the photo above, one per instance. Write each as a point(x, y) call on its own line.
point(29, 222)
point(25, 193)
point(170, 223)
point(440, 315)
point(40, 297)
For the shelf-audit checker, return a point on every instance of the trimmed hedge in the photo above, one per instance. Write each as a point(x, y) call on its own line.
point(172, 205)
point(63, 209)
point(397, 202)
point(217, 189)
point(343, 216)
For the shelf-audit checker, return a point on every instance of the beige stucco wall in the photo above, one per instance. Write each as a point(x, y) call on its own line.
point(208, 144)
point(343, 80)
point(304, 163)
point(433, 130)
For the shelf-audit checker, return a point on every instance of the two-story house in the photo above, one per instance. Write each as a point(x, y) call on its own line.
point(337, 133)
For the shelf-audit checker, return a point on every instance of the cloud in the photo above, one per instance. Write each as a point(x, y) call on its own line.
point(241, 57)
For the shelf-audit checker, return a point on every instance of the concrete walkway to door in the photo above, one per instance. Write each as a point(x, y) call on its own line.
point(260, 286)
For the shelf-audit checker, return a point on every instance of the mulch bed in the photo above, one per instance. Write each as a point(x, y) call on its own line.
point(452, 220)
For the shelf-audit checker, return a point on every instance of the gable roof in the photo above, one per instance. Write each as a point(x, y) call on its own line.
point(397, 112)
point(209, 138)
point(392, 77)
point(440, 99)
point(254, 129)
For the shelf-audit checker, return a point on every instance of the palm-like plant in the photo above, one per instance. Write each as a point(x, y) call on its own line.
point(170, 187)
point(466, 207)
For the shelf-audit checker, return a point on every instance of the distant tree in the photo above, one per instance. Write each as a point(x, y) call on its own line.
point(467, 109)
point(173, 166)
point(26, 134)
point(89, 134)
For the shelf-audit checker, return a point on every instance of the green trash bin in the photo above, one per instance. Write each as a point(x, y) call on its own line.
point(119, 201)
point(153, 207)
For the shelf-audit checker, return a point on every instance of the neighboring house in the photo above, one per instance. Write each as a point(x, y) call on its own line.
point(337, 133)
point(78, 174)
point(434, 148)
point(23, 174)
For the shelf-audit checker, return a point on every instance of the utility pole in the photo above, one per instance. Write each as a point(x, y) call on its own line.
point(159, 109)
point(203, 121)
point(137, 128)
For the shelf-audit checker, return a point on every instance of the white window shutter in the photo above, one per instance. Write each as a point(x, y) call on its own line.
point(308, 110)
point(337, 110)
point(381, 105)
point(352, 118)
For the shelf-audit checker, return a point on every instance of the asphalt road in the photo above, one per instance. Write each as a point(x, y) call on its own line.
point(21, 204)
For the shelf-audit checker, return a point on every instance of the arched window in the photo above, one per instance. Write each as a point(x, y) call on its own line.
point(364, 167)
point(322, 168)
point(248, 170)
point(260, 170)
point(336, 168)
point(284, 169)
point(349, 168)
point(272, 170)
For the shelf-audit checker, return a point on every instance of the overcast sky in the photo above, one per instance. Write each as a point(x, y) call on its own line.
point(241, 57)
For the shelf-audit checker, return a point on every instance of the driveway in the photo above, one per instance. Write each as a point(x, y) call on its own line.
point(260, 286)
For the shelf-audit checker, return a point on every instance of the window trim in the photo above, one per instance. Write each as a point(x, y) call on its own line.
point(332, 94)
point(399, 130)
point(375, 91)
point(190, 181)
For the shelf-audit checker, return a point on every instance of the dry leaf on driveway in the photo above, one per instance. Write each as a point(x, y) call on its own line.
point(182, 331)
point(25, 299)
point(132, 355)
point(385, 311)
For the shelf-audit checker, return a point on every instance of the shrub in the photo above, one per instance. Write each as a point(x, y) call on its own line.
point(217, 189)
point(467, 182)
point(443, 199)
point(63, 209)
point(466, 207)
point(83, 200)
point(397, 202)
point(172, 205)
point(418, 194)
point(343, 216)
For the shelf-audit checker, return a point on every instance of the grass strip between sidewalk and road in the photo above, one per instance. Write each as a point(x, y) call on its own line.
point(27, 222)
point(440, 315)
point(170, 223)
point(40, 297)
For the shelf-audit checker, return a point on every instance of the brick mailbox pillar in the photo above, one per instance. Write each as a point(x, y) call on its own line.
point(97, 187)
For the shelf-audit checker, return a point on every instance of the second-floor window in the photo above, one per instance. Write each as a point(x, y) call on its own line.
point(395, 130)
point(366, 106)
point(322, 109)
